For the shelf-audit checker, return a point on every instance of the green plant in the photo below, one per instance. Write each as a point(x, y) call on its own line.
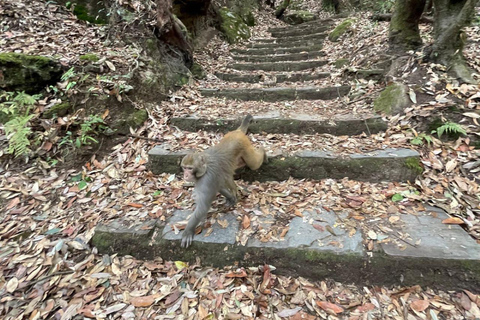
point(421, 139)
point(450, 128)
point(92, 125)
point(16, 108)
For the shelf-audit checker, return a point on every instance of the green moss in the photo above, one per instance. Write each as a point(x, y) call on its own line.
point(60, 109)
point(233, 26)
point(249, 19)
point(298, 17)
point(89, 57)
point(340, 63)
point(414, 164)
point(137, 118)
point(391, 100)
point(197, 71)
point(341, 29)
point(82, 14)
point(29, 73)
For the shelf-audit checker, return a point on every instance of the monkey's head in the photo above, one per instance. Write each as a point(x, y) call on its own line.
point(194, 166)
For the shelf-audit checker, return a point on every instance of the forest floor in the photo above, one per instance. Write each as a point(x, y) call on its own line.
point(49, 270)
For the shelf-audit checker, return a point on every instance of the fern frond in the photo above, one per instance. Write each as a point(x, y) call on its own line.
point(450, 127)
point(18, 133)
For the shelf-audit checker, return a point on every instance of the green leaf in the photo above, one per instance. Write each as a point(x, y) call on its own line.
point(82, 185)
point(397, 197)
point(157, 193)
point(53, 231)
point(77, 178)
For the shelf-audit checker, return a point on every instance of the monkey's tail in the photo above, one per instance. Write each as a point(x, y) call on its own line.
point(245, 123)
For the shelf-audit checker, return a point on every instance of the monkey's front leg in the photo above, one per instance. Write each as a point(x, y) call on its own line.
point(203, 203)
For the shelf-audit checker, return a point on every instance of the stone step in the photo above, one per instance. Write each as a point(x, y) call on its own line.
point(279, 66)
point(302, 26)
point(283, 57)
point(383, 165)
point(298, 124)
point(278, 93)
point(367, 74)
point(315, 36)
point(287, 43)
point(280, 77)
point(435, 255)
point(300, 32)
point(267, 51)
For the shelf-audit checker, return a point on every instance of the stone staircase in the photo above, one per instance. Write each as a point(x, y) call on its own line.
point(294, 55)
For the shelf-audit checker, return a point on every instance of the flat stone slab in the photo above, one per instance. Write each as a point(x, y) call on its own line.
point(279, 66)
point(283, 57)
point(381, 165)
point(298, 124)
point(278, 93)
point(280, 77)
point(218, 235)
point(314, 36)
point(303, 26)
point(315, 246)
point(372, 74)
point(430, 238)
point(300, 31)
point(265, 51)
point(289, 43)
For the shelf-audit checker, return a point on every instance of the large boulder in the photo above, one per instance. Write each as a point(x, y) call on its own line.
point(22, 72)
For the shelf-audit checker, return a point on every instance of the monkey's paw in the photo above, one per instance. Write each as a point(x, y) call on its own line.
point(187, 239)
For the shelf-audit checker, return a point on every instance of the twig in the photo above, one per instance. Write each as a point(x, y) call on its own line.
point(392, 234)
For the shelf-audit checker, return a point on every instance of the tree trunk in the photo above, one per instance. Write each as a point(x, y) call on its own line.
point(404, 32)
point(170, 31)
point(450, 17)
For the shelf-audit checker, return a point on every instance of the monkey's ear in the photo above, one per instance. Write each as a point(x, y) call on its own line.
point(202, 166)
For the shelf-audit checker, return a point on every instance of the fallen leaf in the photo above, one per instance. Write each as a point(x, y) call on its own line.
point(329, 307)
point(419, 305)
point(453, 220)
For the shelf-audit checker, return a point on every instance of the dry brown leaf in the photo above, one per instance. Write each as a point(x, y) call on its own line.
point(144, 301)
point(453, 220)
point(419, 305)
point(329, 307)
point(246, 222)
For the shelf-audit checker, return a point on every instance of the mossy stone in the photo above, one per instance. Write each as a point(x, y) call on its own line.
point(82, 13)
point(414, 164)
point(340, 30)
point(249, 19)
point(392, 100)
point(340, 63)
point(233, 26)
point(59, 110)
point(89, 57)
point(298, 17)
point(197, 71)
point(29, 73)
point(137, 118)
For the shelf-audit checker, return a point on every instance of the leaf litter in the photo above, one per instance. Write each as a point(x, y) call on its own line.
point(49, 270)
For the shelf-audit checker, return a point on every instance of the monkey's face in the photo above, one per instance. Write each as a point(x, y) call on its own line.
point(189, 174)
point(194, 166)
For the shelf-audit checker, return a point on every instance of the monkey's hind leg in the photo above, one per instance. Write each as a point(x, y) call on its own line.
point(254, 157)
point(229, 191)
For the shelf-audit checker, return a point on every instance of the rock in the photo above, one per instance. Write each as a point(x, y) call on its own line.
point(298, 17)
point(29, 73)
point(394, 99)
point(233, 26)
point(340, 63)
point(340, 30)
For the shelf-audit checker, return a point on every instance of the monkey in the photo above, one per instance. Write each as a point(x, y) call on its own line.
point(212, 172)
